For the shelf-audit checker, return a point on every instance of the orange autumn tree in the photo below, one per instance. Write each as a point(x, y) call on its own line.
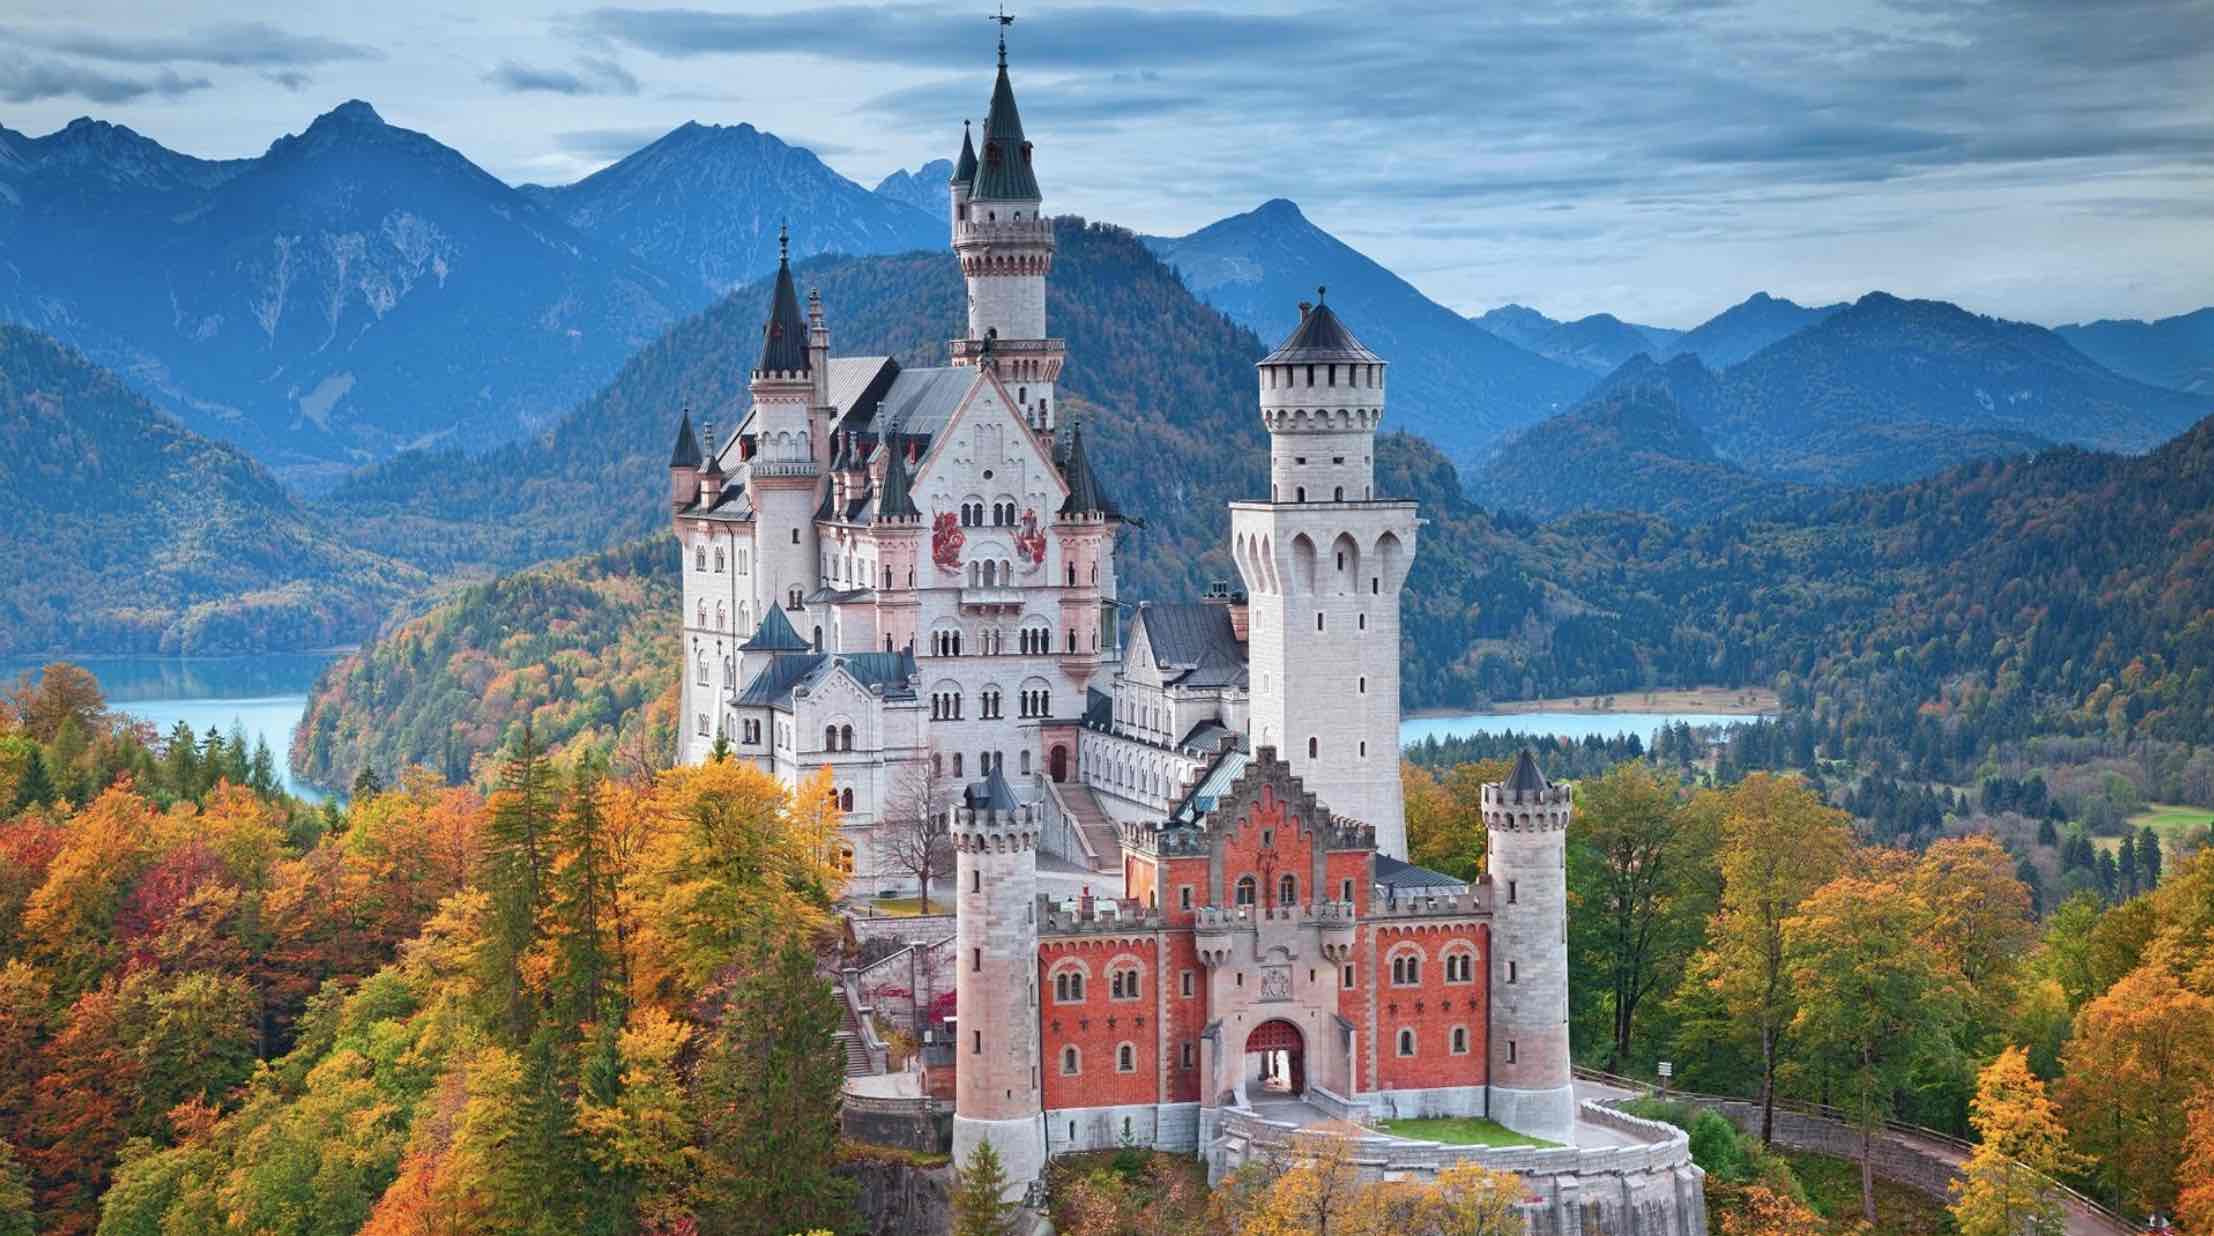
point(2195, 1179)
point(2141, 1055)
point(1765, 1212)
point(2006, 1188)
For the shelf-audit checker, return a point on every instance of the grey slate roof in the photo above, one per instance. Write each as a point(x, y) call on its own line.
point(687, 453)
point(848, 389)
point(964, 168)
point(1200, 803)
point(896, 501)
point(1086, 495)
point(1402, 877)
point(788, 672)
point(1320, 338)
point(1004, 174)
point(784, 335)
point(775, 634)
point(1195, 637)
point(1208, 736)
point(991, 794)
point(921, 401)
point(1526, 779)
point(1099, 708)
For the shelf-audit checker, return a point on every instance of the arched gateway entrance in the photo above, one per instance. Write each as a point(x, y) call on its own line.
point(1283, 1059)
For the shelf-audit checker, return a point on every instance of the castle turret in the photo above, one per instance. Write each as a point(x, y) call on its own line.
point(1526, 820)
point(1323, 561)
point(963, 181)
point(1005, 244)
point(996, 1095)
point(791, 448)
point(684, 466)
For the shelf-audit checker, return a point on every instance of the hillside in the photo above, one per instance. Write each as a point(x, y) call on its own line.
point(704, 202)
point(356, 290)
point(1597, 343)
point(2176, 352)
point(124, 532)
point(576, 647)
point(924, 188)
point(1890, 389)
point(1452, 382)
point(1629, 448)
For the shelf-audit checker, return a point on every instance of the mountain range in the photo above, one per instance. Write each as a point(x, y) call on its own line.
point(2176, 352)
point(1452, 382)
point(924, 189)
point(1596, 343)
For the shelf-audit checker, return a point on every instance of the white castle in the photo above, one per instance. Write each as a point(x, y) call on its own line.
point(908, 574)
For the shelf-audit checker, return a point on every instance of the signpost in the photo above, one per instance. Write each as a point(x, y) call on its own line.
point(1667, 1070)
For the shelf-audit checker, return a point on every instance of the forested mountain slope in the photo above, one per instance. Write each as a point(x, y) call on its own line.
point(121, 531)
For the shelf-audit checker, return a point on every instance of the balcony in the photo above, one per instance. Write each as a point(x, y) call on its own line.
point(991, 597)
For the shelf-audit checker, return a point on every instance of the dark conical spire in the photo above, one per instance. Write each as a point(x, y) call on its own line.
point(1319, 338)
point(784, 338)
point(775, 634)
point(1086, 495)
point(897, 502)
point(1005, 174)
point(1526, 779)
point(964, 168)
point(687, 453)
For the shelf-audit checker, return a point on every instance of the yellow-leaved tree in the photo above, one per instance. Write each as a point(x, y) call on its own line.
point(2142, 1054)
point(2006, 1188)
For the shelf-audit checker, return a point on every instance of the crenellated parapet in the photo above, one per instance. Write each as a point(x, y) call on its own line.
point(1539, 809)
point(984, 831)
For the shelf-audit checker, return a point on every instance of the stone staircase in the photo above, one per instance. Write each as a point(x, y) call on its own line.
point(1093, 821)
point(857, 1056)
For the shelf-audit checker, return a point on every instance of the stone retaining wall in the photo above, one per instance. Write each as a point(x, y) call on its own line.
point(1893, 1159)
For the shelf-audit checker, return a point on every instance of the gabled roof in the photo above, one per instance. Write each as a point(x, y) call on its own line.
point(1320, 338)
point(775, 634)
point(788, 672)
point(1196, 638)
point(773, 685)
point(896, 502)
point(1200, 803)
point(1004, 175)
point(784, 335)
point(687, 452)
point(1086, 495)
point(964, 168)
point(1526, 779)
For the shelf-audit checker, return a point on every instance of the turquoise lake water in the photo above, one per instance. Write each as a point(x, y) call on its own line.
point(263, 695)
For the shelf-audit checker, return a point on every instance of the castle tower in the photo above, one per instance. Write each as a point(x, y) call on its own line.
point(996, 1096)
point(1006, 249)
point(1323, 561)
point(1526, 820)
point(791, 447)
point(684, 468)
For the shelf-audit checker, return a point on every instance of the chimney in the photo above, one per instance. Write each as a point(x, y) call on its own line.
point(1084, 903)
point(1305, 307)
point(711, 470)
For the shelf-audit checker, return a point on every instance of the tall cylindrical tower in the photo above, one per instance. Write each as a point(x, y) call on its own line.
point(1323, 559)
point(1526, 819)
point(996, 1095)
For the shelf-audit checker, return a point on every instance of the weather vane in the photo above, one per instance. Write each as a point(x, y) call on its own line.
point(1005, 19)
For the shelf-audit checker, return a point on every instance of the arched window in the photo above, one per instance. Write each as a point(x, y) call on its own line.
point(1247, 890)
point(845, 738)
point(1300, 494)
point(845, 799)
point(1069, 1060)
point(830, 738)
point(718, 559)
point(1337, 494)
point(1122, 983)
point(1314, 748)
point(1460, 1040)
point(720, 615)
point(699, 613)
point(1287, 891)
point(702, 659)
point(1406, 1043)
point(845, 860)
point(1126, 1059)
point(699, 558)
point(1068, 987)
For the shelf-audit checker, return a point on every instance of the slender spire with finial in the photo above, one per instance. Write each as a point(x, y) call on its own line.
point(1005, 174)
point(784, 335)
point(783, 241)
point(1005, 19)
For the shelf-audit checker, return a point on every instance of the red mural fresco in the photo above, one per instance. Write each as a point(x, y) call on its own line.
point(1030, 542)
point(946, 539)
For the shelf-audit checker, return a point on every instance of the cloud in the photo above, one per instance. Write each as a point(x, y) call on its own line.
point(592, 75)
point(253, 44)
point(27, 80)
point(607, 144)
point(290, 79)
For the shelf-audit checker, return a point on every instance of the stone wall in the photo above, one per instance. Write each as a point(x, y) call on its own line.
point(923, 1126)
point(1895, 1160)
point(898, 1199)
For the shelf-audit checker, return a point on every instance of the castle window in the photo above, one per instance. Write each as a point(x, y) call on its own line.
point(1364, 750)
point(703, 725)
point(976, 881)
point(1510, 1051)
point(795, 536)
point(830, 738)
point(1247, 891)
point(1287, 891)
point(976, 959)
point(699, 558)
point(1460, 1040)
point(1460, 967)
point(845, 738)
point(956, 763)
point(845, 860)
point(1375, 585)
point(701, 658)
point(1406, 1043)
point(1314, 748)
point(1069, 1060)
point(1068, 987)
point(1510, 972)
point(1184, 901)
point(1406, 968)
point(1184, 1055)
point(1345, 978)
point(1186, 984)
point(1318, 620)
point(1123, 984)
point(1510, 892)
point(1126, 1061)
point(1337, 494)
point(718, 560)
point(1345, 890)
point(976, 1041)
point(1300, 494)
point(845, 799)
point(1364, 684)
point(1362, 622)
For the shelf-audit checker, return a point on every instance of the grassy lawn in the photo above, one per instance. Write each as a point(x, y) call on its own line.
point(2179, 828)
point(1833, 1186)
point(909, 907)
point(1460, 1131)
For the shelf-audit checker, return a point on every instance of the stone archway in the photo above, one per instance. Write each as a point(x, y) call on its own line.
point(1283, 1058)
point(1058, 762)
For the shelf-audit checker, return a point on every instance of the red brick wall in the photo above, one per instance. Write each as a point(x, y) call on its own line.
point(1291, 852)
point(1186, 1016)
point(1177, 874)
point(1430, 1008)
point(1098, 1024)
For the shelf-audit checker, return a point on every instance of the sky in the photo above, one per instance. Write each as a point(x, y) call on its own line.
point(2048, 160)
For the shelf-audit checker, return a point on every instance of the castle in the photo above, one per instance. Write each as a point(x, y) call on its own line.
point(907, 575)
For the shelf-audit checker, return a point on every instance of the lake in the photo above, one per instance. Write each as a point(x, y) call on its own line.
point(263, 695)
point(1575, 725)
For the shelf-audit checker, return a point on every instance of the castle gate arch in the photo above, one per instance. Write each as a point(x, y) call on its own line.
point(1282, 1059)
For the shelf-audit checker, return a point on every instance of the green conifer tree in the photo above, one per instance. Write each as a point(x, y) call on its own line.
point(517, 853)
point(769, 1086)
point(978, 1209)
point(2148, 857)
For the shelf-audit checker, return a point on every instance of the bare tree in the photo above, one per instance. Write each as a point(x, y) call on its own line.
point(912, 834)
